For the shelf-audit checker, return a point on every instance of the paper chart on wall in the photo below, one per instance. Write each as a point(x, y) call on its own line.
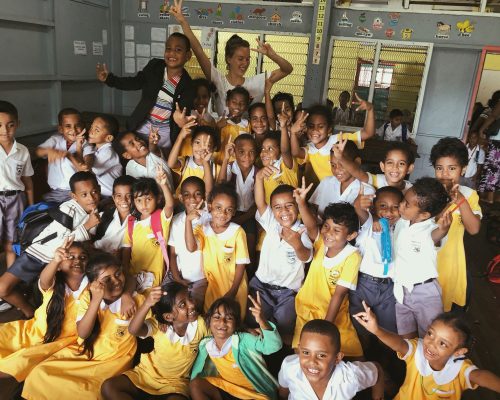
point(97, 49)
point(158, 34)
point(129, 32)
point(141, 63)
point(79, 47)
point(129, 49)
point(143, 50)
point(157, 49)
point(129, 65)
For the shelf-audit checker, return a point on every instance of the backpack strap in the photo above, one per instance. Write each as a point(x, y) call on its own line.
point(63, 218)
point(130, 228)
point(385, 128)
point(106, 219)
point(158, 232)
point(404, 132)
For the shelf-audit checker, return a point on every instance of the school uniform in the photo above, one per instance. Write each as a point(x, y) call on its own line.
point(422, 382)
point(375, 285)
point(280, 272)
point(379, 180)
point(221, 253)
point(146, 260)
point(386, 132)
point(113, 237)
point(320, 158)
point(68, 373)
point(136, 170)
point(329, 191)
point(28, 266)
point(284, 176)
point(346, 380)
point(107, 168)
point(244, 187)
point(15, 165)
point(21, 342)
point(166, 370)
point(231, 130)
point(416, 288)
point(188, 167)
point(313, 299)
point(190, 265)
point(343, 116)
point(60, 171)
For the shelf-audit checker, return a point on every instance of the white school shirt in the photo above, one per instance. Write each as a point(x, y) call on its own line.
point(14, 165)
point(379, 181)
point(113, 237)
point(137, 170)
point(328, 191)
point(106, 167)
point(396, 134)
point(244, 188)
point(347, 379)
point(60, 171)
point(370, 246)
point(278, 263)
point(254, 85)
point(45, 252)
point(189, 264)
point(415, 255)
point(472, 165)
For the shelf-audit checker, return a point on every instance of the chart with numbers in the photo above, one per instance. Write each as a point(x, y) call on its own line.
point(318, 34)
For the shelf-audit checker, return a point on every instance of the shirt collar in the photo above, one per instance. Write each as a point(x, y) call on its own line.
point(13, 150)
point(114, 307)
point(326, 149)
point(188, 336)
point(76, 294)
point(213, 350)
point(227, 234)
point(329, 262)
point(192, 164)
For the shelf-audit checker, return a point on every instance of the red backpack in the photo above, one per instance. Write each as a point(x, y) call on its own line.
point(493, 269)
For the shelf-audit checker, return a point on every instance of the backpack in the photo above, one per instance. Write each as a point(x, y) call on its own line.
point(106, 219)
point(493, 269)
point(34, 220)
point(404, 131)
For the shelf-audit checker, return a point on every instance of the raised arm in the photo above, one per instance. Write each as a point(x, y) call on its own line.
point(296, 131)
point(271, 118)
point(162, 180)
point(203, 60)
point(228, 153)
point(259, 192)
point(191, 244)
point(444, 223)
point(208, 174)
point(471, 221)
point(173, 158)
point(286, 153)
point(309, 220)
point(285, 68)
point(137, 325)
point(369, 128)
point(85, 326)
point(351, 166)
point(48, 274)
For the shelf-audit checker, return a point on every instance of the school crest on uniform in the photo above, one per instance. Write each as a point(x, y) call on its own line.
point(120, 331)
point(333, 277)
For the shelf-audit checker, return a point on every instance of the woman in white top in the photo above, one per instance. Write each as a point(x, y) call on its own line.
point(237, 55)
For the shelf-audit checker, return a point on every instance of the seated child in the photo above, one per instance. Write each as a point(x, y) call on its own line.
point(104, 349)
point(343, 114)
point(395, 129)
point(142, 163)
point(144, 252)
point(233, 124)
point(15, 176)
point(60, 150)
point(333, 271)
point(398, 162)
point(223, 245)
point(436, 365)
point(229, 364)
point(187, 267)
point(83, 211)
point(318, 372)
point(341, 186)
point(375, 284)
point(111, 229)
point(166, 369)
point(449, 158)
point(26, 343)
point(285, 250)
point(103, 160)
point(416, 235)
point(203, 141)
point(476, 160)
point(318, 125)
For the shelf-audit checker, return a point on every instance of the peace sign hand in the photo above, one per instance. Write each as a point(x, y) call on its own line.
point(61, 253)
point(283, 118)
point(363, 104)
point(367, 319)
point(180, 117)
point(207, 150)
point(161, 175)
point(101, 72)
point(195, 213)
point(154, 136)
point(256, 310)
point(299, 126)
point(264, 48)
point(300, 194)
point(291, 237)
point(338, 148)
point(176, 11)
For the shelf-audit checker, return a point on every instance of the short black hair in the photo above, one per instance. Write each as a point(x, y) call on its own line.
point(450, 147)
point(207, 130)
point(495, 98)
point(389, 190)
point(117, 144)
point(395, 112)
point(166, 303)
point(110, 122)
point(351, 151)
point(203, 82)
point(342, 213)
point(81, 176)
point(324, 111)
point(432, 196)
point(124, 180)
point(325, 328)
point(281, 189)
point(239, 90)
point(345, 93)
point(254, 106)
point(283, 96)
point(68, 111)
point(224, 188)
point(9, 108)
point(273, 135)
point(194, 180)
point(183, 37)
point(403, 148)
point(245, 136)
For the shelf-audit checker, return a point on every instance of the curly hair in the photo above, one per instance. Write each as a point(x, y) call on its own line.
point(450, 147)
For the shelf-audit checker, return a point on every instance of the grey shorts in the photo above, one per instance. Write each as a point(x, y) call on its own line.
point(57, 195)
point(26, 267)
point(11, 208)
point(419, 308)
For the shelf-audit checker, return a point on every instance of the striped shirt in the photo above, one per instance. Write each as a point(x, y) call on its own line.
point(162, 110)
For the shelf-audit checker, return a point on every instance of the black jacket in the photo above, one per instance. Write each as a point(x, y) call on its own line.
point(150, 81)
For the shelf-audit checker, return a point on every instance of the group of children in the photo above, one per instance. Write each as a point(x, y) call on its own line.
point(166, 251)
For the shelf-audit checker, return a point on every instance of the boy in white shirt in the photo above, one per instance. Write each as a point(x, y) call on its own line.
point(187, 267)
point(61, 151)
point(141, 161)
point(416, 236)
point(318, 372)
point(396, 129)
point(476, 161)
point(342, 186)
point(285, 250)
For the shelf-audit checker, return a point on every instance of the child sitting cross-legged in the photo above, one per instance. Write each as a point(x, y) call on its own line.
point(318, 372)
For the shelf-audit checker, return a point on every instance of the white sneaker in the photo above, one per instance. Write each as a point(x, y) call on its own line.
point(4, 306)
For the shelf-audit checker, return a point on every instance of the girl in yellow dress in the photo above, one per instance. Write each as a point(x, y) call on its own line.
point(166, 370)
point(223, 245)
point(230, 361)
point(450, 157)
point(436, 366)
point(142, 255)
point(24, 344)
point(333, 272)
point(105, 348)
